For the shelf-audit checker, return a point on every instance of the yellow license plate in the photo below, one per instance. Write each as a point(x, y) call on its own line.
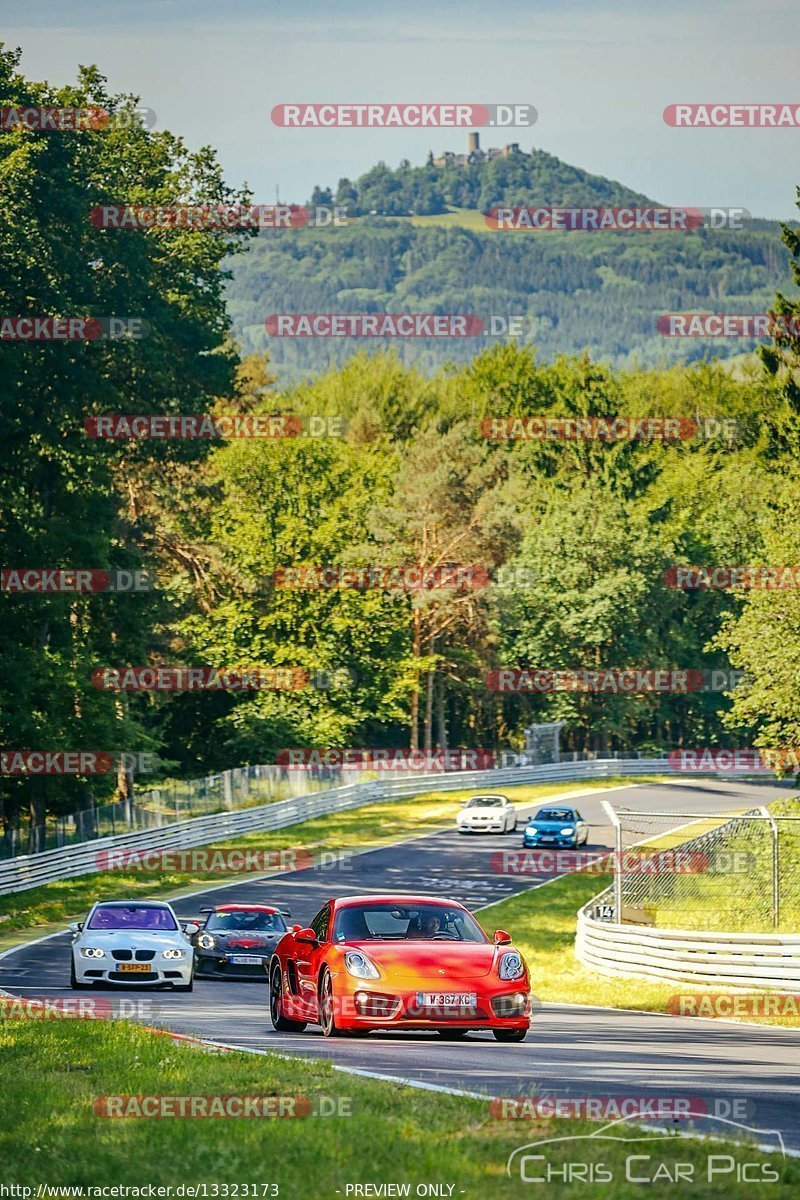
point(133, 967)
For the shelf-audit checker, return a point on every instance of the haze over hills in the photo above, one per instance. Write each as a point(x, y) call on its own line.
point(417, 241)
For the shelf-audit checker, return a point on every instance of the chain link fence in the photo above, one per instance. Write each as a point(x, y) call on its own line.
point(714, 872)
point(172, 801)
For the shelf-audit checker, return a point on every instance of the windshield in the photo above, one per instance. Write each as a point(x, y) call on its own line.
point(485, 801)
point(135, 917)
point(246, 922)
point(403, 922)
point(555, 814)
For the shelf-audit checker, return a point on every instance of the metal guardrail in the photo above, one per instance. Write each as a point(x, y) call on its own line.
point(84, 858)
point(707, 959)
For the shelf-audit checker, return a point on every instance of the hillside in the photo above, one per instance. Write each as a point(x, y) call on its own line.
point(416, 241)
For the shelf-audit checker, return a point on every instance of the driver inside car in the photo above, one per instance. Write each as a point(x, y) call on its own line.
point(429, 925)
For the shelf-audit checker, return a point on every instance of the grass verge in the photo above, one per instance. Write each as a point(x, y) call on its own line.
point(53, 1072)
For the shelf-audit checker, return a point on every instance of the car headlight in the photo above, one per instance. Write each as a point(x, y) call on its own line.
point(511, 966)
point(205, 941)
point(174, 953)
point(566, 833)
point(359, 965)
point(92, 952)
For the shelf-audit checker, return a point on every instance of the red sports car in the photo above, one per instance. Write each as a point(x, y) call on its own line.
point(398, 962)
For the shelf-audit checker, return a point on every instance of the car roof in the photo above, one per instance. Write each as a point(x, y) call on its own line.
point(222, 908)
point(132, 904)
point(348, 901)
point(488, 796)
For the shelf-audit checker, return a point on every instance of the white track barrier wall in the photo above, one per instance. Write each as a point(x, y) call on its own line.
point(28, 871)
point(736, 960)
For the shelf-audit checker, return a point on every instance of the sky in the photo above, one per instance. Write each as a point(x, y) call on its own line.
point(598, 74)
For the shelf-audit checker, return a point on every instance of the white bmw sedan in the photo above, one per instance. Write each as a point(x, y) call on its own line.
point(133, 942)
point(487, 814)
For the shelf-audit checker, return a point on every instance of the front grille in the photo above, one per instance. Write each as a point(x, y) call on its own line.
point(122, 955)
point(145, 955)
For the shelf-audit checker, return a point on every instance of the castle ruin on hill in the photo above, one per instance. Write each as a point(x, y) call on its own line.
point(474, 154)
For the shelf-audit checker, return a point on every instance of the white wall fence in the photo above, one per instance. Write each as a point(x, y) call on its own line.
point(28, 871)
point(705, 959)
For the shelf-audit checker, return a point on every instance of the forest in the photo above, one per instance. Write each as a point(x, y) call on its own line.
point(570, 544)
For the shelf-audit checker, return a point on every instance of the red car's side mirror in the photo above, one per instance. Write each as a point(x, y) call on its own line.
point(306, 935)
point(296, 928)
point(501, 938)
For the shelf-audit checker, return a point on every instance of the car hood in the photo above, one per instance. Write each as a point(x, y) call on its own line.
point(243, 941)
point(457, 960)
point(132, 939)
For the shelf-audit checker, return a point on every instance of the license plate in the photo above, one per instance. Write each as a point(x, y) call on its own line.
point(133, 968)
point(245, 960)
point(447, 999)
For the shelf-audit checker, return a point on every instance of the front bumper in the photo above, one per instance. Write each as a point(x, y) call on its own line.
point(209, 965)
point(529, 840)
point(378, 1004)
point(159, 971)
point(486, 827)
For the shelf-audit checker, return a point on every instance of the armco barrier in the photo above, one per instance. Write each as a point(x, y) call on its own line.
point(707, 959)
point(28, 871)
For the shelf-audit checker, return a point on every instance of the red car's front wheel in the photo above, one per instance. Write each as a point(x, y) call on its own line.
point(327, 1006)
point(279, 1021)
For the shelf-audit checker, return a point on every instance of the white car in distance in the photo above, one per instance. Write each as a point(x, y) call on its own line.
point(487, 814)
point(134, 942)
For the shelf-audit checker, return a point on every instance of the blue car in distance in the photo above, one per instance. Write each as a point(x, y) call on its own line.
point(556, 826)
